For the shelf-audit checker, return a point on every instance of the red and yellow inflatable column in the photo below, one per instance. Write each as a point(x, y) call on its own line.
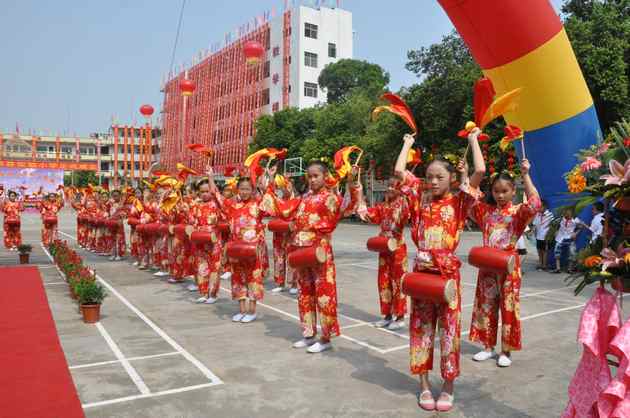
point(522, 43)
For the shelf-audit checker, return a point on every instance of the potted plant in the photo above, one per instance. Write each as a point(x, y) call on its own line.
point(91, 295)
point(25, 252)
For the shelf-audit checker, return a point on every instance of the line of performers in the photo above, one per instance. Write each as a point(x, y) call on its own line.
point(208, 234)
point(12, 207)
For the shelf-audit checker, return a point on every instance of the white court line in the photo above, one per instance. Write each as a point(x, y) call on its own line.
point(527, 295)
point(525, 318)
point(142, 387)
point(209, 375)
point(297, 318)
point(103, 363)
point(150, 395)
point(53, 283)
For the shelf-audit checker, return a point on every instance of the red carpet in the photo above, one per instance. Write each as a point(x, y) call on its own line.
point(34, 376)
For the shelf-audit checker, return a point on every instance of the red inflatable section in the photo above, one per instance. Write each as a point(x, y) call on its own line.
point(499, 31)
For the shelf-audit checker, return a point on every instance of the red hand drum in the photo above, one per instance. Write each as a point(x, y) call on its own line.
point(223, 227)
point(382, 244)
point(178, 230)
point(307, 257)
point(50, 221)
point(13, 222)
point(201, 237)
point(278, 225)
point(140, 228)
point(241, 251)
point(492, 259)
point(163, 229)
point(152, 228)
point(111, 224)
point(133, 222)
point(429, 286)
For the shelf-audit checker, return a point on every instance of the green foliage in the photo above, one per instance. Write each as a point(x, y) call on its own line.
point(90, 292)
point(81, 178)
point(25, 248)
point(599, 31)
point(346, 77)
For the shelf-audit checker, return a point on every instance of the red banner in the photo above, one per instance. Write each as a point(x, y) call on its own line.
point(53, 165)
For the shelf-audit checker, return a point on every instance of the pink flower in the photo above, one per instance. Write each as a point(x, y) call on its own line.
point(619, 174)
point(603, 148)
point(591, 163)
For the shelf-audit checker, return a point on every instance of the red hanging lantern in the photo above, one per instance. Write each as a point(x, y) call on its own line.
point(146, 110)
point(254, 52)
point(187, 87)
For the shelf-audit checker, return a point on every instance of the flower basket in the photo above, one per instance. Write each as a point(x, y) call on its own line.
point(91, 294)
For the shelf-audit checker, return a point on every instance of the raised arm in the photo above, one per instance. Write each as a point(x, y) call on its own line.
point(479, 165)
point(401, 162)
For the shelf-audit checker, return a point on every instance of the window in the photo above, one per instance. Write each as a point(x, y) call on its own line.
point(332, 50)
point(276, 51)
point(265, 97)
point(310, 30)
point(310, 59)
point(310, 89)
point(275, 107)
point(267, 69)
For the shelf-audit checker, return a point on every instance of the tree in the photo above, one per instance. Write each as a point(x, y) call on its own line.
point(348, 76)
point(442, 102)
point(599, 31)
point(81, 178)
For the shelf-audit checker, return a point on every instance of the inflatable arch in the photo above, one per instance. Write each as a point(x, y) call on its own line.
point(520, 43)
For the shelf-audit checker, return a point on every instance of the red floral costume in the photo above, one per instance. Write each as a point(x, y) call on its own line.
point(315, 216)
point(392, 217)
point(49, 209)
point(12, 234)
point(501, 227)
point(135, 212)
point(205, 217)
point(118, 210)
point(435, 229)
point(245, 219)
point(104, 241)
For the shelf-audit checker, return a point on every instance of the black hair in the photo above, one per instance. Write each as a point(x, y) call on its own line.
point(322, 165)
point(115, 191)
point(544, 203)
point(448, 166)
point(502, 175)
point(12, 192)
point(599, 206)
point(242, 180)
point(202, 182)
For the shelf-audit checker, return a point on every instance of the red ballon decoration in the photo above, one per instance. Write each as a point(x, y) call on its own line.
point(254, 52)
point(187, 87)
point(146, 110)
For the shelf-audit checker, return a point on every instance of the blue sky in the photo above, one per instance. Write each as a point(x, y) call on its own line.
point(71, 65)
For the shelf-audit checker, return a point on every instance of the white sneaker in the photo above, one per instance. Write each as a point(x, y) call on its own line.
point(304, 342)
point(248, 318)
point(484, 355)
point(504, 361)
point(293, 291)
point(112, 258)
point(227, 275)
point(383, 323)
point(135, 264)
point(160, 274)
point(192, 287)
point(210, 300)
point(396, 325)
point(202, 299)
point(191, 277)
point(172, 280)
point(318, 347)
point(277, 289)
point(118, 258)
point(238, 317)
